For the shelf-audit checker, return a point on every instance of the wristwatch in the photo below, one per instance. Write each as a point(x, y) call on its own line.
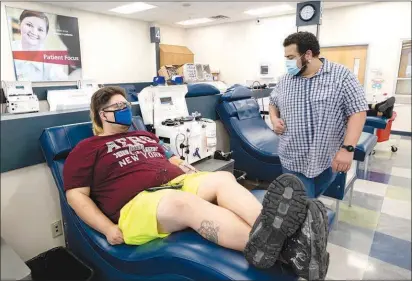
point(349, 148)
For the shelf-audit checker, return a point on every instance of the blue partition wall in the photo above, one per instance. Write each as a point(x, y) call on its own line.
point(20, 133)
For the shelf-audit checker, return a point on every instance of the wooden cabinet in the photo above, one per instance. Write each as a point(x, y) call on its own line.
point(175, 55)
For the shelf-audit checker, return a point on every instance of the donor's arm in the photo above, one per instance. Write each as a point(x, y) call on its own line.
point(80, 201)
point(186, 168)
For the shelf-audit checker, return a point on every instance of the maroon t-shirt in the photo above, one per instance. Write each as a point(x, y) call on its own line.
point(117, 168)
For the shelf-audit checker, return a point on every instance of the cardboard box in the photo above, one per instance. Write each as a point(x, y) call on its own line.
point(175, 55)
point(168, 71)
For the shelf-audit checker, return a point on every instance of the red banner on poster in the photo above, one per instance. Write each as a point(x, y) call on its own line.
point(56, 57)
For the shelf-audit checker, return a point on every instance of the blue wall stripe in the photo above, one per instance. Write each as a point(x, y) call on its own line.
point(401, 133)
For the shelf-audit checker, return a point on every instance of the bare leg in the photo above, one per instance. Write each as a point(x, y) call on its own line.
point(222, 187)
point(179, 210)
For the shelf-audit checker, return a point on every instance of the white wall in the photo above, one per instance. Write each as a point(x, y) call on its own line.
point(113, 49)
point(238, 48)
point(172, 35)
point(29, 205)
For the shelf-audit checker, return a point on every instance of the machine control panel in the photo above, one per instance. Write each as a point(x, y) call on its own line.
point(163, 102)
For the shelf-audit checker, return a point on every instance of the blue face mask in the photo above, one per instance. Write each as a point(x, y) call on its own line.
point(292, 67)
point(122, 116)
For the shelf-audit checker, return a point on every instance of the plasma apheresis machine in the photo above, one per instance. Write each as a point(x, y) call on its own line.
point(20, 97)
point(190, 137)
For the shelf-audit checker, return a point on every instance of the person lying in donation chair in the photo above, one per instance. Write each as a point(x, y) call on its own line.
point(123, 185)
point(384, 108)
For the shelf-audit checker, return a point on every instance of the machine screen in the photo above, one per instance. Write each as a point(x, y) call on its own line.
point(19, 87)
point(167, 100)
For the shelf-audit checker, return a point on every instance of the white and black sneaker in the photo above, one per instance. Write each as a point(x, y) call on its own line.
point(306, 251)
point(284, 211)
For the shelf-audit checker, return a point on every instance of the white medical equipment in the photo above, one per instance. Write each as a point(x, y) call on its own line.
point(20, 97)
point(87, 84)
point(190, 137)
point(264, 104)
point(69, 99)
point(266, 71)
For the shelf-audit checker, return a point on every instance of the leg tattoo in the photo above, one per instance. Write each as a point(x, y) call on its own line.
point(209, 231)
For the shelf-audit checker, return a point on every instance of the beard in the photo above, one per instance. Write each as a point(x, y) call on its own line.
point(304, 64)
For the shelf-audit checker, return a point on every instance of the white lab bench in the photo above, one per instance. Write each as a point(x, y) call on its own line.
point(12, 266)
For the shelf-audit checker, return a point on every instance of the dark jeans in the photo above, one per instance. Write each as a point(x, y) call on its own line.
point(373, 111)
point(315, 186)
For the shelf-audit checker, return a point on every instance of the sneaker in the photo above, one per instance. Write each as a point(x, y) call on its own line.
point(386, 104)
point(306, 251)
point(284, 211)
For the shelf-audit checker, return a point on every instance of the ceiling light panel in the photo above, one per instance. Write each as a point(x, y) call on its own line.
point(132, 8)
point(194, 21)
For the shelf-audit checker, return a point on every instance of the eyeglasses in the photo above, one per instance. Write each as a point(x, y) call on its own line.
point(117, 106)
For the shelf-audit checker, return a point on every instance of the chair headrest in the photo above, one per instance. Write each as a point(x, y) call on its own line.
point(201, 89)
point(247, 109)
point(131, 94)
point(236, 92)
point(137, 124)
point(58, 142)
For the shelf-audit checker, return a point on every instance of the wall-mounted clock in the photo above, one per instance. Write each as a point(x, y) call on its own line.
point(308, 13)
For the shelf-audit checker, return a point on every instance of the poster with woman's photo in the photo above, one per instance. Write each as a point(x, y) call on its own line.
point(45, 46)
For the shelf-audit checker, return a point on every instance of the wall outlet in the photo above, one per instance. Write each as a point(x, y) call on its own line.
point(57, 229)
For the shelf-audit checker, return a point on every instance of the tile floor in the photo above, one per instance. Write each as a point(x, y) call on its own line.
point(373, 238)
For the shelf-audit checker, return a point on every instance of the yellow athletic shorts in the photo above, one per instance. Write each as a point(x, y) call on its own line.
point(138, 220)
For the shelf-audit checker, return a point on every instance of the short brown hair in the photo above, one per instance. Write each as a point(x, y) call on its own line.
point(40, 15)
point(99, 100)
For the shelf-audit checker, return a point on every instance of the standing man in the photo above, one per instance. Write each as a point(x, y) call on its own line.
point(318, 110)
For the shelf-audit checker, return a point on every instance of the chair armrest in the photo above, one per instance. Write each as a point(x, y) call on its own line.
point(376, 122)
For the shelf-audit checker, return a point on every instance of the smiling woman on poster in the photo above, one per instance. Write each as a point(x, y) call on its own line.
point(40, 45)
point(34, 28)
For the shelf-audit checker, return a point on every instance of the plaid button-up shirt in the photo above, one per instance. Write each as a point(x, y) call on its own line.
point(315, 112)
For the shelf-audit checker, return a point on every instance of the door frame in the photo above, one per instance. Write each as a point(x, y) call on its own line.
point(399, 53)
point(367, 57)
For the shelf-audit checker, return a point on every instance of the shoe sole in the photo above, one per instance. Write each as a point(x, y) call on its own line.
point(284, 210)
point(325, 256)
point(319, 260)
point(389, 103)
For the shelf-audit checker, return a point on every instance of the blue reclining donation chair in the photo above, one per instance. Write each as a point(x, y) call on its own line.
point(253, 143)
point(183, 255)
